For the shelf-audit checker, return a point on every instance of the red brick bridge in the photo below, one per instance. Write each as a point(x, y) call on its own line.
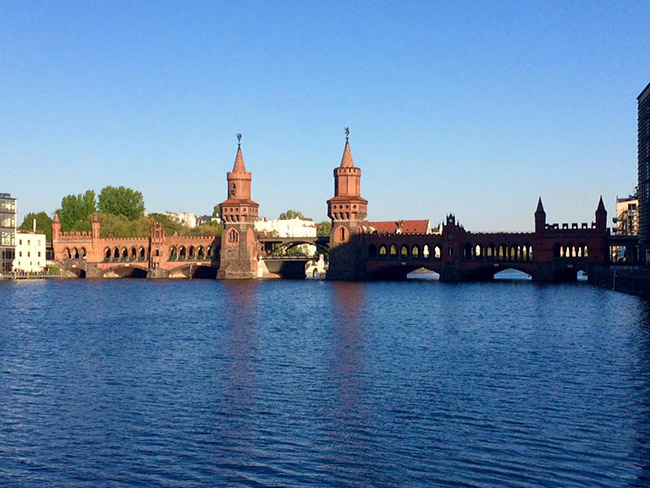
point(357, 249)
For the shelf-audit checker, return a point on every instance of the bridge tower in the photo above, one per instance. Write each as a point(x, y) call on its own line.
point(540, 217)
point(347, 210)
point(239, 244)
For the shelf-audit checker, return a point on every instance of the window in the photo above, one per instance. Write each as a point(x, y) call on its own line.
point(39, 254)
point(29, 254)
point(342, 234)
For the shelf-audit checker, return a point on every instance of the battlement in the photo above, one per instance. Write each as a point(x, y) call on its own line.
point(75, 235)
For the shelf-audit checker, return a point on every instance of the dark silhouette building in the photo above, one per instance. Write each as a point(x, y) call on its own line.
point(644, 172)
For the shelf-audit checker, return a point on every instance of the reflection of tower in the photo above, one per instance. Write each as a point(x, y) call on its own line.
point(347, 210)
point(239, 243)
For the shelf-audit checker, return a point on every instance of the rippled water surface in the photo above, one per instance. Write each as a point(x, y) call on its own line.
point(298, 383)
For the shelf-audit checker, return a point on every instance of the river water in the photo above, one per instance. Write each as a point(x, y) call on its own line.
point(310, 383)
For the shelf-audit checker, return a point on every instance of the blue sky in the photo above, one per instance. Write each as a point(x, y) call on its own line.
point(475, 108)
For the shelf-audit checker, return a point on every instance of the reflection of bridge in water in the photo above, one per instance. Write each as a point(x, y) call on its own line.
point(355, 249)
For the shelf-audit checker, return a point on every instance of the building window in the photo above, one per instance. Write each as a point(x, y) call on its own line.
point(39, 254)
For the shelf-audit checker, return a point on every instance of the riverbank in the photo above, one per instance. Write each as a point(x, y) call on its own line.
point(630, 280)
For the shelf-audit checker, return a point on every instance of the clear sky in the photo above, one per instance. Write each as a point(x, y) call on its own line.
point(475, 108)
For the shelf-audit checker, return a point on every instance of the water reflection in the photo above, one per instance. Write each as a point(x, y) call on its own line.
point(236, 395)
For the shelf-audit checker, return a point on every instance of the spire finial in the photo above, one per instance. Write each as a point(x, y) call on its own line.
point(347, 133)
point(238, 138)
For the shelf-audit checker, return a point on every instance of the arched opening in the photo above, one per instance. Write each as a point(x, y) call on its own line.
point(511, 274)
point(75, 253)
point(141, 254)
point(382, 251)
point(82, 252)
point(116, 254)
point(209, 252)
point(423, 274)
point(66, 253)
point(426, 254)
point(372, 251)
point(342, 234)
point(404, 252)
point(478, 252)
point(200, 253)
point(107, 254)
point(233, 236)
point(233, 189)
point(173, 253)
point(133, 254)
point(437, 252)
point(582, 275)
point(182, 253)
point(125, 254)
point(191, 252)
point(415, 252)
point(467, 251)
point(393, 251)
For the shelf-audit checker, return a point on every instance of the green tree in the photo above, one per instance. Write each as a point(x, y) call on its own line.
point(75, 210)
point(290, 214)
point(324, 228)
point(121, 201)
point(216, 210)
point(43, 223)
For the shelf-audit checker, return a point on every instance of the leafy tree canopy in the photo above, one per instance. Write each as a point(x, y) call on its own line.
point(324, 228)
point(290, 214)
point(75, 210)
point(43, 223)
point(121, 201)
point(216, 210)
point(120, 226)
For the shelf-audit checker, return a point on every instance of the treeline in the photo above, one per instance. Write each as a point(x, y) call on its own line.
point(121, 213)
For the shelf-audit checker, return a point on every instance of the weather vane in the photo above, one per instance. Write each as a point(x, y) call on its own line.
point(239, 138)
point(347, 133)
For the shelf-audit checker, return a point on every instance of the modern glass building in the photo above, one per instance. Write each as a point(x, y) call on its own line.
point(7, 232)
point(644, 172)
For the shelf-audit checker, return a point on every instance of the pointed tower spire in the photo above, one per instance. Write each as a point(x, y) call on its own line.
point(601, 216)
point(346, 160)
point(540, 217)
point(239, 166)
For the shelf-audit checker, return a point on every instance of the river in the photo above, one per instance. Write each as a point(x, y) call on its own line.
point(312, 383)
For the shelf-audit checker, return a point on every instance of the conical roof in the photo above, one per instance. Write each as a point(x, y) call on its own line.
point(239, 167)
point(346, 160)
point(56, 217)
point(540, 207)
point(601, 205)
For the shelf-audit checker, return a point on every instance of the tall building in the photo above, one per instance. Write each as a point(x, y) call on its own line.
point(239, 244)
point(644, 171)
point(627, 216)
point(7, 232)
point(347, 209)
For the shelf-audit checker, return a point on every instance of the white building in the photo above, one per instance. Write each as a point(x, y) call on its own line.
point(296, 227)
point(184, 218)
point(30, 252)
